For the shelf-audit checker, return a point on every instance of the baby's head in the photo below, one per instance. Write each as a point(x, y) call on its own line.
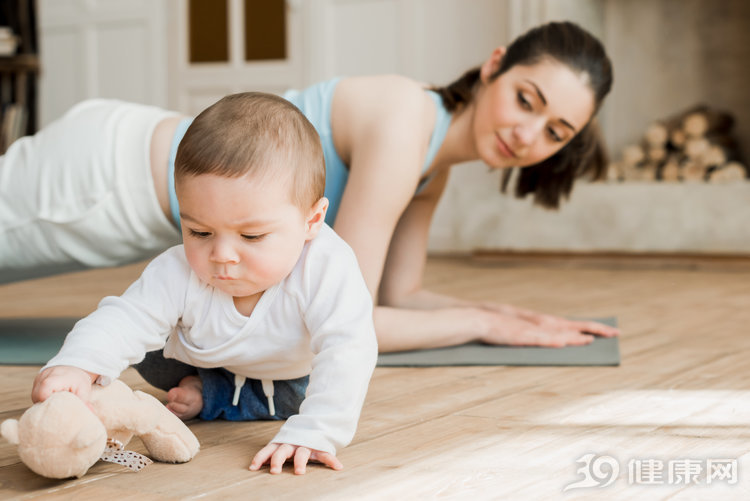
point(258, 135)
point(249, 177)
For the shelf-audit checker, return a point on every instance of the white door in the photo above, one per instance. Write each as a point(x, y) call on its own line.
point(431, 40)
point(101, 48)
point(195, 82)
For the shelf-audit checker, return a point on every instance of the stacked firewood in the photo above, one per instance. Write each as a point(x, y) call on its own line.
point(693, 146)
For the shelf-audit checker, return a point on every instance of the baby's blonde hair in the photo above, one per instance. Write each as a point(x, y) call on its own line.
point(259, 135)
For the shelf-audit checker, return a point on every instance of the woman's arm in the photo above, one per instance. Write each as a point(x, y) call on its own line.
point(409, 317)
point(381, 127)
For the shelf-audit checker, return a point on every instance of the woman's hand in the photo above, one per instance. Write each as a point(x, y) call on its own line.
point(505, 324)
point(276, 454)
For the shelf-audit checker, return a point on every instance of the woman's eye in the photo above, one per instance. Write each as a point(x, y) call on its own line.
point(555, 136)
point(200, 234)
point(525, 104)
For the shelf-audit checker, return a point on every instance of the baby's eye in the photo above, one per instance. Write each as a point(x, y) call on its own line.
point(253, 237)
point(525, 104)
point(200, 234)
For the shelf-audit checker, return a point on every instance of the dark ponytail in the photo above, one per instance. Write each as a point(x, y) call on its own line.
point(585, 155)
point(460, 91)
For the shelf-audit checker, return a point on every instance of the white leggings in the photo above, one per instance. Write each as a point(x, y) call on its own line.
point(79, 193)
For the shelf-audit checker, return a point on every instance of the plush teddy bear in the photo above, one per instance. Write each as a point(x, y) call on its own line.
point(62, 437)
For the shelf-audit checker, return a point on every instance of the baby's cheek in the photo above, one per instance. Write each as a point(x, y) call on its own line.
point(275, 267)
point(273, 271)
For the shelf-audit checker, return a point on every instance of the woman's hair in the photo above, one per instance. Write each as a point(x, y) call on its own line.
point(255, 134)
point(585, 154)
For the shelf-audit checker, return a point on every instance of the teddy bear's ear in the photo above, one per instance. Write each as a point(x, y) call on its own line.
point(9, 430)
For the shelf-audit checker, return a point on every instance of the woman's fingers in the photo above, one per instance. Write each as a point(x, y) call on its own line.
point(551, 338)
point(517, 332)
point(596, 328)
point(560, 323)
point(551, 324)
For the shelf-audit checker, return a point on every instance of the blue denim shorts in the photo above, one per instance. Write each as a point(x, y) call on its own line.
point(218, 390)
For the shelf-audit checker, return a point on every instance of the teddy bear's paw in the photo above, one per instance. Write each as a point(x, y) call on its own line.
point(9, 430)
point(171, 446)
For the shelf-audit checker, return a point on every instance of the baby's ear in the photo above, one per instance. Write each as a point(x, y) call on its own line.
point(315, 218)
point(9, 430)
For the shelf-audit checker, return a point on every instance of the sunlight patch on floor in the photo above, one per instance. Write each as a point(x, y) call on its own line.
point(653, 407)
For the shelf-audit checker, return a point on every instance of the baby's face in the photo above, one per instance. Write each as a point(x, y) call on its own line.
point(241, 235)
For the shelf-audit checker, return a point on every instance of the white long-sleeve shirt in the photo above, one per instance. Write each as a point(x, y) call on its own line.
point(317, 321)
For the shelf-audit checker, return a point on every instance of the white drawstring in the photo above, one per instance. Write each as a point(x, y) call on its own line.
point(268, 390)
point(239, 382)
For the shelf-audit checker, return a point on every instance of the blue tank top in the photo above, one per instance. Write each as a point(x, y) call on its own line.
point(315, 103)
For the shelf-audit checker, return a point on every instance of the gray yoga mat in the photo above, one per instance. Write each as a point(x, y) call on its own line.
point(602, 351)
point(32, 341)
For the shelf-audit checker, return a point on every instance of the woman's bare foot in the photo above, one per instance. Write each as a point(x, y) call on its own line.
point(186, 400)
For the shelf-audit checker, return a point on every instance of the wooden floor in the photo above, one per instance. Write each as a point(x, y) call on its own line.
point(680, 399)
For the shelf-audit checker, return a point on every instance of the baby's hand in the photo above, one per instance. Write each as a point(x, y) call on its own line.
point(62, 378)
point(279, 453)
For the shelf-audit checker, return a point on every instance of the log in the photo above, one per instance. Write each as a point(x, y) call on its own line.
point(696, 121)
point(696, 147)
point(677, 138)
point(630, 172)
point(704, 120)
point(693, 171)
point(731, 172)
point(688, 146)
point(714, 156)
point(695, 125)
point(632, 155)
point(656, 154)
point(648, 172)
point(638, 173)
point(615, 172)
point(671, 171)
point(656, 135)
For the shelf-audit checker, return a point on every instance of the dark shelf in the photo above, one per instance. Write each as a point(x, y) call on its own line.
point(19, 73)
point(19, 62)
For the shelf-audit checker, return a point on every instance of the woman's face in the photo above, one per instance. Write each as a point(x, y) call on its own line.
point(529, 113)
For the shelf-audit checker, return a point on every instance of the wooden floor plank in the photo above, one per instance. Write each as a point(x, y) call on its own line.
point(682, 391)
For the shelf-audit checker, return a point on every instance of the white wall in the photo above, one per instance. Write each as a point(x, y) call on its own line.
point(136, 50)
point(431, 40)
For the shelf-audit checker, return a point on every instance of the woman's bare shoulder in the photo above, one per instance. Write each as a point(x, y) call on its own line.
point(384, 111)
point(387, 82)
point(380, 95)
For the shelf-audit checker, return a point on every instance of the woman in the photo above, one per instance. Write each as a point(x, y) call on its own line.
point(389, 146)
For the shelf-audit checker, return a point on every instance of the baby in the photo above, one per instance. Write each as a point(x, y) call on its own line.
point(262, 312)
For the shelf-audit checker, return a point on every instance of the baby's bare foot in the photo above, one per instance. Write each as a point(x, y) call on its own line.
point(186, 400)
